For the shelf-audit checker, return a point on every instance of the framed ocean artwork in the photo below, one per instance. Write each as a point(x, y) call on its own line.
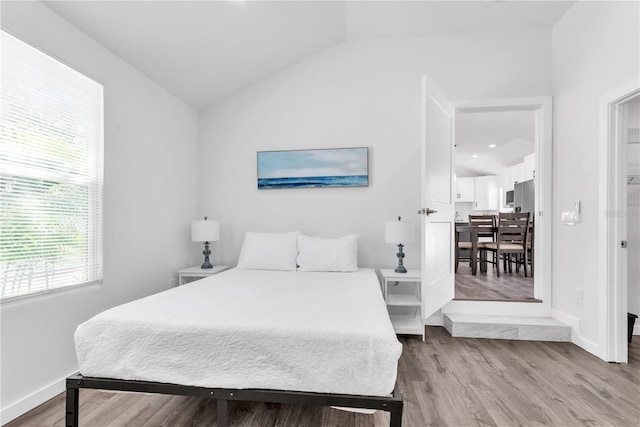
point(337, 167)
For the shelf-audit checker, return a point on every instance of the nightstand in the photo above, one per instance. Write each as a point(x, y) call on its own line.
point(195, 273)
point(403, 295)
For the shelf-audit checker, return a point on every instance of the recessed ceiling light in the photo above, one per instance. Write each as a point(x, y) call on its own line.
point(492, 145)
point(474, 155)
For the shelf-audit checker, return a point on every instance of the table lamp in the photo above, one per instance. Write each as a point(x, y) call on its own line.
point(205, 231)
point(399, 232)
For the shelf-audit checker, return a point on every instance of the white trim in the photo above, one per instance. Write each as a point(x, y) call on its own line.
point(26, 404)
point(586, 345)
point(542, 105)
point(563, 317)
point(20, 300)
point(612, 337)
point(576, 338)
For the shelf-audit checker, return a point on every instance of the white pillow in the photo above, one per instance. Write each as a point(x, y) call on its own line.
point(269, 251)
point(321, 254)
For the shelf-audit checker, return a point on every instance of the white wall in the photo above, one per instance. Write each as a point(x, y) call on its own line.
point(360, 93)
point(149, 201)
point(595, 50)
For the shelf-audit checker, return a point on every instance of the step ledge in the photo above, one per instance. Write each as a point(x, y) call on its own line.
point(505, 320)
point(528, 328)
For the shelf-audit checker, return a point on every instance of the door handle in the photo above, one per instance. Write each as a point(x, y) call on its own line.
point(426, 211)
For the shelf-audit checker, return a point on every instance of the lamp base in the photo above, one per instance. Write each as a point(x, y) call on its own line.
point(206, 254)
point(400, 268)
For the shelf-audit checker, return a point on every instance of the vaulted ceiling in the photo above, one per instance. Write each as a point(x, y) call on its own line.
point(204, 51)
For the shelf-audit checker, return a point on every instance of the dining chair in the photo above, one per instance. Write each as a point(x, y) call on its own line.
point(530, 244)
point(519, 259)
point(511, 239)
point(489, 222)
point(461, 245)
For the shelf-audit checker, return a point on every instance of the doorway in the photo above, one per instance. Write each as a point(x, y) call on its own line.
point(632, 176)
point(619, 254)
point(494, 164)
point(540, 109)
point(438, 300)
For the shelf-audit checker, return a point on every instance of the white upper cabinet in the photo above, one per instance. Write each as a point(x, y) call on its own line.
point(487, 193)
point(529, 167)
point(521, 174)
point(465, 190)
point(507, 178)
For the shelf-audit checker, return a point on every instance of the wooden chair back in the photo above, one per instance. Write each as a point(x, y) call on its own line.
point(513, 228)
point(483, 221)
point(530, 244)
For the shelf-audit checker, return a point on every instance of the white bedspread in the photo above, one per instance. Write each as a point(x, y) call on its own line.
point(318, 332)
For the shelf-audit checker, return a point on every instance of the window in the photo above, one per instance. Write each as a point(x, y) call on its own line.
point(51, 135)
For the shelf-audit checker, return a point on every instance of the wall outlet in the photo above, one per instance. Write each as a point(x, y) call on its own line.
point(173, 283)
point(579, 296)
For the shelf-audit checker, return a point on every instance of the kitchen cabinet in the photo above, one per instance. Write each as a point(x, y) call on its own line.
point(487, 193)
point(508, 178)
point(465, 190)
point(529, 167)
point(520, 172)
point(523, 171)
point(515, 173)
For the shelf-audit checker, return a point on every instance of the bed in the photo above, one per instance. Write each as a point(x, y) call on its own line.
point(319, 338)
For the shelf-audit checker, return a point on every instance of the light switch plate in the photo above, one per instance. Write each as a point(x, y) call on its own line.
point(568, 218)
point(572, 217)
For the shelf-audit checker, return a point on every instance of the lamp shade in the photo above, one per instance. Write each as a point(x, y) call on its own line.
point(399, 232)
point(205, 230)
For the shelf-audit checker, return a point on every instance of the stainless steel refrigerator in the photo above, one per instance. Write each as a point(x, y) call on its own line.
point(524, 196)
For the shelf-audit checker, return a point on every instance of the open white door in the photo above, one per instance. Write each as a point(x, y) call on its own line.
point(438, 209)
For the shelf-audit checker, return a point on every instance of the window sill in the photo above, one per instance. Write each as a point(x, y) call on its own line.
point(20, 300)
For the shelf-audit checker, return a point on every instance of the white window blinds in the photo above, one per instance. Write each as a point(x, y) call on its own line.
point(51, 130)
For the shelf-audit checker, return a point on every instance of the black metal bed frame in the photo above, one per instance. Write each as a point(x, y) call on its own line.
point(391, 404)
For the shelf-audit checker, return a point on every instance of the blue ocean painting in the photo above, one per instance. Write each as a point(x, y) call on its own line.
point(340, 167)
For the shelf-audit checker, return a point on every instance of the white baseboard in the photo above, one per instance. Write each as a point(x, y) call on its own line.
point(636, 328)
point(587, 345)
point(576, 338)
point(24, 405)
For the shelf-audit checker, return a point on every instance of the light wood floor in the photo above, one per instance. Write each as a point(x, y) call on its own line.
point(489, 287)
point(444, 382)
